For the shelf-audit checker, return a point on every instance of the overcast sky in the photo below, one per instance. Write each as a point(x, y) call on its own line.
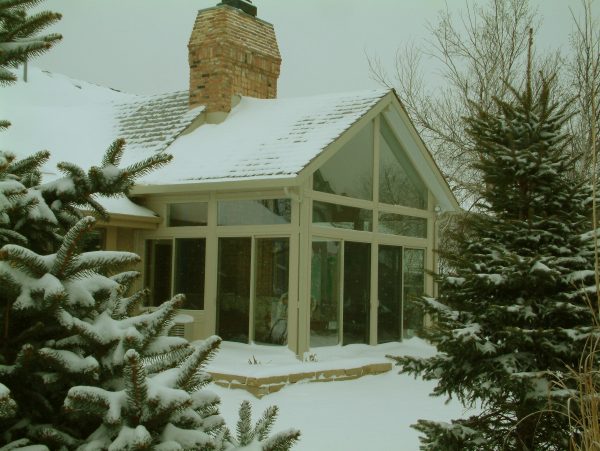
point(140, 46)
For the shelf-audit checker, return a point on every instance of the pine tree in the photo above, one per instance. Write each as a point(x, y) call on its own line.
point(519, 305)
point(79, 369)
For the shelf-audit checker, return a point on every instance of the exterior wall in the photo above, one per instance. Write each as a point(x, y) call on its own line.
point(301, 232)
point(231, 53)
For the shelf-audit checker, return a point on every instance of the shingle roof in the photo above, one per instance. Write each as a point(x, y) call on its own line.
point(260, 138)
point(264, 138)
point(153, 122)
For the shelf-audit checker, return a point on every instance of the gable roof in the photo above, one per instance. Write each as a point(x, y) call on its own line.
point(260, 139)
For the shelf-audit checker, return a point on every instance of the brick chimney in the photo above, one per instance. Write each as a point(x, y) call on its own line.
point(231, 52)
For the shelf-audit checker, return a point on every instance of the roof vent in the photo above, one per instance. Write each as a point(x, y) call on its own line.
point(244, 5)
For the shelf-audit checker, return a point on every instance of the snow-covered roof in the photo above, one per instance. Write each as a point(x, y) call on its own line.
point(272, 138)
point(77, 121)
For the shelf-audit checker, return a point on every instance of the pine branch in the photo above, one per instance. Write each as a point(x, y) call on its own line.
point(24, 259)
point(244, 425)
point(136, 387)
point(65, 263)
point(189, 377)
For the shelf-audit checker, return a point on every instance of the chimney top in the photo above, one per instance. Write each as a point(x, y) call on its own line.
point(244, 5)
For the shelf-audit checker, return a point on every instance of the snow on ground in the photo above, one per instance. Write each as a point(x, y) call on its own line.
point(370, 413)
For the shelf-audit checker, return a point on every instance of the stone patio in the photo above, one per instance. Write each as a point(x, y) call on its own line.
point(261, 386)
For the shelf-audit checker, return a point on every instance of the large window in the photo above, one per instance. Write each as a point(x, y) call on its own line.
point(190, 254)
point(350, 171)
point(255, 212)
point(399, 182)
point(357, 292)
point(341, 216)
point(187, 214)
point(402, 225)
point(389, 312)
point(414, 284)
point(325, 292)
point(233, 289)
point(271, 290)
point(269, 300)
point(334, 277)
point(159, 257)
point(181, 273)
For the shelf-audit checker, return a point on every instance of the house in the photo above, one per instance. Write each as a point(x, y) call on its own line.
point(301, 221)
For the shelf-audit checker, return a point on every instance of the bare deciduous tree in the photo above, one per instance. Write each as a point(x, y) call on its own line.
point(478, 53)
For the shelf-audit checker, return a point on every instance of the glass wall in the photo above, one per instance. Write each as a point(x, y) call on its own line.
point(271, 290)
point(389, 312)
point(190, 254)
point(159, 256)
point(341, 216)
point(357, 292)
point(325, 292)
point(399, 182)
point(233, 289)
point(187, 214)
point(350, 171)
point(255, 212)
point(402, 225)
point(414, 284)
point(185, 274)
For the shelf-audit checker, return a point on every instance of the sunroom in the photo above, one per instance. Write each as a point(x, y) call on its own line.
point(322, 239)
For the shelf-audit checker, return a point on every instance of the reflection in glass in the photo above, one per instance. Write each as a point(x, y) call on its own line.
point(271, 290)
point(399, 182)
point(350, 171)
point(389, 312)
point(158, 270)
point(357, 292)
point(188, 214)
point(325, 293)
point(255, 212)
point(341, 216)
point(402, 225)
point(414, 285)
point(233, 289)
point(189, 271)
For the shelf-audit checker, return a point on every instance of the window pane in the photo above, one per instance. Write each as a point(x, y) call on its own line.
point(271, 290)
point(389, 317)
point(414, 285)
point(341, 216)
point(188, 214)
point(399, 182)
point(357, 292)
point(158, 270)
point(402, 225)
point(189, 271)
point(255, 212)
point(233, 289)
point(350, 171)
point(325, 293)
point(94, 240)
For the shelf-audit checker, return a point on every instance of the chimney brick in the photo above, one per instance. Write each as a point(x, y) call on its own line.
point(231, 52)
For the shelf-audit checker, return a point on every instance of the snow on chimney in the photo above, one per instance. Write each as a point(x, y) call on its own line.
point(231, 52)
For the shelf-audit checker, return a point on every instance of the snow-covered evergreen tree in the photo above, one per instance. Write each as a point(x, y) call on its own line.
point(78, 368)
point(519, 305)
